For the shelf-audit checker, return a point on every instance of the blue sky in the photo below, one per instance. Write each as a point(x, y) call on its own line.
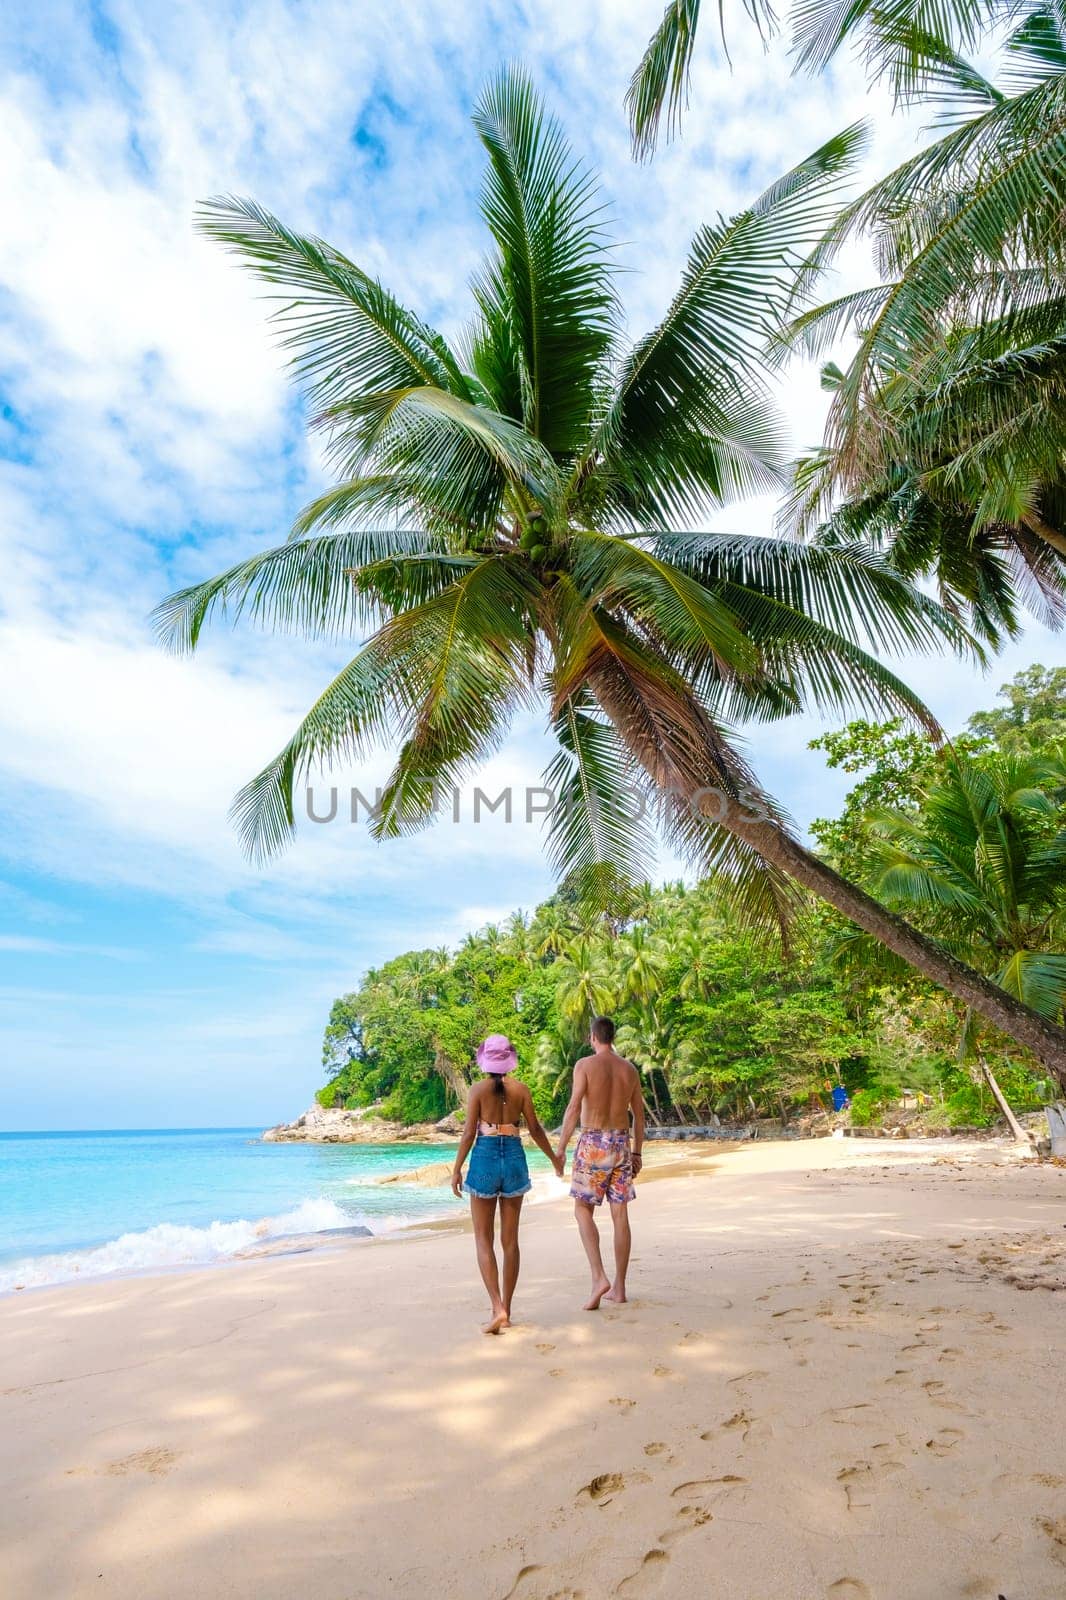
point(151, 977)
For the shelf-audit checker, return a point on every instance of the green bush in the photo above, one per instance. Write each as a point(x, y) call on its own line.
point(968, 1107)
point(865, 1108)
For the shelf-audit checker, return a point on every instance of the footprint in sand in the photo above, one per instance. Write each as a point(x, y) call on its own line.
point(603, 1487)
point(1055, 1528)
point(606, 1485)
point(944, 1441)
point(647, 1578)
point(664, 1372)
point(752, 1430)
point(847, 1414)
point(544, 1348)
point(530, 1578)
point(700, 1488)
point(622, 1404)
point(848, 1589)
point(861, 1481)
point(556, 1372)
point(656, 1448)
point(157, 1462)
point(689, 1518)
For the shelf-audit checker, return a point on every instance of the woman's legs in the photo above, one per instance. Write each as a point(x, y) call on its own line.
point(510, 1216)
point(483, 1215)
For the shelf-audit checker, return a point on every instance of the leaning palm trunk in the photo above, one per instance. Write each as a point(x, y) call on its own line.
point(1001, 1100)
point(680, 753)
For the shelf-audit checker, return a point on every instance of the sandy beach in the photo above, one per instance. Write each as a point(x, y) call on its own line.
point(841, 1375)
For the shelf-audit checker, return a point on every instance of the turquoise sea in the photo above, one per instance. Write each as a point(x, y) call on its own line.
point(79, 1205)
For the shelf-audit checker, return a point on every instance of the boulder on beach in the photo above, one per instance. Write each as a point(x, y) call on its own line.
point(438, 1174)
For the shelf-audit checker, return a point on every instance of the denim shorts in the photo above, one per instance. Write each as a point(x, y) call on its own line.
point(497, 1167)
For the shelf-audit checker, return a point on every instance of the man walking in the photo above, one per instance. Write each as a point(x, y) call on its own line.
point(606, 1094)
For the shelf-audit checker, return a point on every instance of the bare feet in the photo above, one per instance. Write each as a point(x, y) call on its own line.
point(593, 1302)
point(500, 1321)
point(617, 1295)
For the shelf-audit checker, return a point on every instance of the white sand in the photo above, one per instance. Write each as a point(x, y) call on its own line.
point(835, 1379)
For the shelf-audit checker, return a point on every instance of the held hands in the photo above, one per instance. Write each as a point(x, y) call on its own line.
point(559, 1163)
point(457, 1182)
point(638, 1162)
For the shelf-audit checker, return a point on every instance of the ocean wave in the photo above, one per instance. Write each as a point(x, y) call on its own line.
point(168, 1245)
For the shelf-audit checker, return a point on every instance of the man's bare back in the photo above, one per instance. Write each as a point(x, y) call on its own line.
point(609, 1082)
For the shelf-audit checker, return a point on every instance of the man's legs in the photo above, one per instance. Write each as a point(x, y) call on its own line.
point(590, 1238)
point(623, 1240)
point(510, 1216)
point(483, 1216)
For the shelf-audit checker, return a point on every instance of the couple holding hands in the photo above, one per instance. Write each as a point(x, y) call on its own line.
point(606, 1098)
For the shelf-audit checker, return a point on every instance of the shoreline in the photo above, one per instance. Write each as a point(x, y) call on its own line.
point(663, 1159)
point(453, 1214)
point(832, 1381)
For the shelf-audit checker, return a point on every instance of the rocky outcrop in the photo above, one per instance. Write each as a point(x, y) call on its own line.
point(320, 1125)
point(438, 1175)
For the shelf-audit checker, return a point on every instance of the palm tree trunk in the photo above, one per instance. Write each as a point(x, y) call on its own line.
point(675, 745)
point(1043, 530)
point(1001, 1100)
point(655, 1116)
point(1027, 1027)
point(453, 1078)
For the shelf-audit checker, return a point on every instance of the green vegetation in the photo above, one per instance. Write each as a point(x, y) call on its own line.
point(972, 838)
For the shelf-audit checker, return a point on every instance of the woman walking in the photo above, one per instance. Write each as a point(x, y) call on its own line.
point(498, 1170)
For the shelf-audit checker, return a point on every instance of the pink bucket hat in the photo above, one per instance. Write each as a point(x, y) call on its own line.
point(497, 1054)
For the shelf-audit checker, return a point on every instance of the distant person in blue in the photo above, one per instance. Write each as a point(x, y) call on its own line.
point(841, 1098)
point(498, 1170)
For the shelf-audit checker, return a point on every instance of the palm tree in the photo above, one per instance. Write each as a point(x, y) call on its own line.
point(985, 857)
point(530, 495)
point(553, 927)
point(913, 46)
point(639, 960)
point(584, 987)
point(946, 432)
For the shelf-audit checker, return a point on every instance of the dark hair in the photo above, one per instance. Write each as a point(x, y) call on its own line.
point(603, 1030)
point(498, 1083)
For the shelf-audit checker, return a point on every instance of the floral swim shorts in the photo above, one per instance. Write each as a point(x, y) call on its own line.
point(603, 1167)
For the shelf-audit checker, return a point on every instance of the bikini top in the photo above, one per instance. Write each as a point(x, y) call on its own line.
point(501, 1129)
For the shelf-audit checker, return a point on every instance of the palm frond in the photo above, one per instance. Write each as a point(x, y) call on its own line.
point(304, 586)
point(1037, 978)
point(684, 613)
point(426, 425)
point(660, 82)
point(348, 335)
point(685, 377)
point(549, 285)
point(472, 640)
point(848, 588)
point(599, 837)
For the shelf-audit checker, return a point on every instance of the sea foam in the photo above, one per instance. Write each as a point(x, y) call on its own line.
point(167, 1245)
